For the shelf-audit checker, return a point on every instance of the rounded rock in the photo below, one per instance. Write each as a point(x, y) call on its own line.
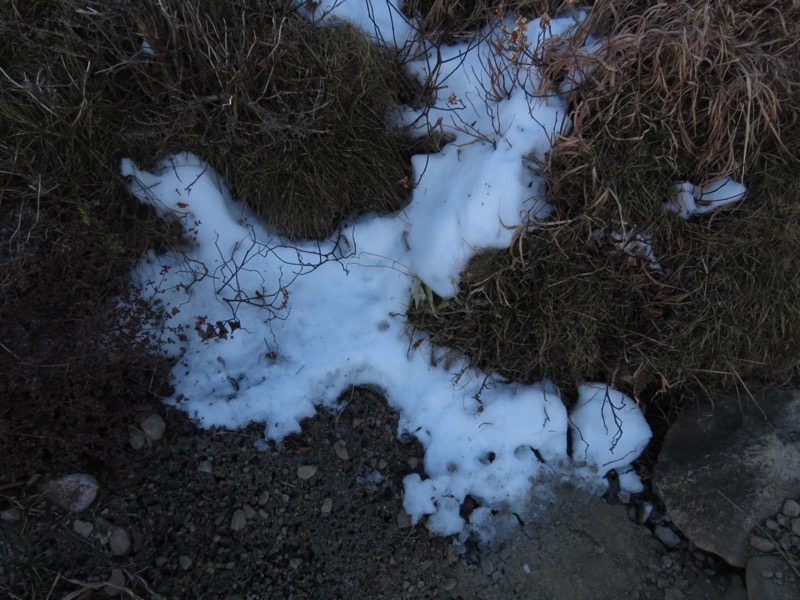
point(115, 583)
point(791, 509)
point(82, 528)
point(306, 471)
point(327, 506)
point(239, 520)
point(119, 541)
point(762, 544)
point(340, 448)
point(185, 562)
point(73, 492)
point(666, 536)
point(153, 427)
point(138, 440)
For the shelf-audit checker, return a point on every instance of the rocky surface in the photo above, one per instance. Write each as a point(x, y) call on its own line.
point(773, 568)
point(723, 470)
point(221, 515)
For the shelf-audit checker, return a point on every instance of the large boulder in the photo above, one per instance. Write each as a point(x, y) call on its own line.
point(726, 467)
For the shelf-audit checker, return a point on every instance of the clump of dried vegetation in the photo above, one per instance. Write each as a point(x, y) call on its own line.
point(451, 20)
point(293, 114)
point(674, 91)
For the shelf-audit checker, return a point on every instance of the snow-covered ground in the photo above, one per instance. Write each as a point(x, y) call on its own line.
point(269, 330)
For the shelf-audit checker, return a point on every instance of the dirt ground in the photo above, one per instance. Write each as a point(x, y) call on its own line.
point(220, 515)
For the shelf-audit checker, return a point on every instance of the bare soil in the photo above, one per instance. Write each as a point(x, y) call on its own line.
point(342, 533)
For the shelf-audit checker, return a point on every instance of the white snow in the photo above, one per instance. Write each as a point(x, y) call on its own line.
point(693, 200)
point(269, 330)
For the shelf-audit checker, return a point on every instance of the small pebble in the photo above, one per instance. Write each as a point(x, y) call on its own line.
point(761, 544)
point(772, 525)
point(239, 520)
point(403, 519)
point(263, 498)
point(249, 511)
point(340, 448)
point(153, 427)
point(306, 471)
point(185, 562)
point(82, 528)
point(796, 526)
point(115, 583)
point(138, 440)
point(666, 536)
point(119, 541)
point(205, 467)
point(791, 509)
point(327, 506)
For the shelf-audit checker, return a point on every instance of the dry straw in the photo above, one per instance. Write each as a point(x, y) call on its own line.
point(676, 91)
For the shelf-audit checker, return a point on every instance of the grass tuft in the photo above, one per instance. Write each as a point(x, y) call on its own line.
point(676, 91)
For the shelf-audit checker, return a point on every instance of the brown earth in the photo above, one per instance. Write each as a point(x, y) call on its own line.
point(341, 533)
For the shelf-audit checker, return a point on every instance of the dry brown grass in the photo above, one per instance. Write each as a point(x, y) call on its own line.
point(452, 20)
point(677, 91)
point(292, 114)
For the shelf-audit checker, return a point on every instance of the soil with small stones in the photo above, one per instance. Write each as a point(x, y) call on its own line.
point(219, 515)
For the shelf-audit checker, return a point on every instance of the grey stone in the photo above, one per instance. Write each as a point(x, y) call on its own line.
point(674, 594)
point(73, 492)
point(403, 519)
point(666, 536)
point(725, 468)
point(115, 583)
point(138, 440)
point(119, 541)
point(762, 544)
point(791, 509)
point(263, 498)
point(796, 526)
point(762, 583)
point(239, 520)
point(341, 450)
point(82, 528)
point(185, 562)
point(153, 427)
point(306, 471)
point(327, 506)
point(771, 525)
point(205, 467)
point(249, 511)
